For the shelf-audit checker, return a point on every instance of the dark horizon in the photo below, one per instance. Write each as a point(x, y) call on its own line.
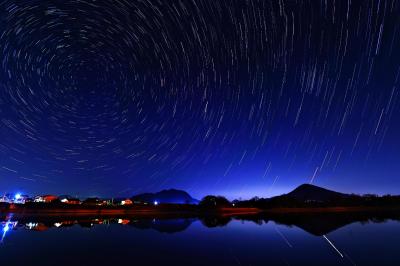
point(195, 197)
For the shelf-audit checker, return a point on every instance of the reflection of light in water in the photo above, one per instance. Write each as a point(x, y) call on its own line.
point(123, 221)
point(30, 226)
point(7, 226)
point(330, 243)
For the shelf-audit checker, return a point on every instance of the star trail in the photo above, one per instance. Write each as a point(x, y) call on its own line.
point(239, 98)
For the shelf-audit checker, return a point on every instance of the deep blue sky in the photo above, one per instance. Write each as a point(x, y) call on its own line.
point(239, 98)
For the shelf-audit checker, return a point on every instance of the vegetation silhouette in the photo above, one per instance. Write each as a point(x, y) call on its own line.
point(211, 202)
point(215, 221)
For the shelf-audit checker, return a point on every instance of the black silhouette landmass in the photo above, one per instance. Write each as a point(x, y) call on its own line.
point(172, 196)
point(308, 192)
point(311, 196)
point(314, 209)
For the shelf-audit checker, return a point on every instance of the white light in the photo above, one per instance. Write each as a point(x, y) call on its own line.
point(31, 225)
point(18, 196)
point(6, 228)
point(155, 203)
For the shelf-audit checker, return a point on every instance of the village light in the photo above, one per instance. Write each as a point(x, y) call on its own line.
point(155, 203)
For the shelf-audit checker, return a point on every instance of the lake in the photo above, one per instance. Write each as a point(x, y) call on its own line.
point(193, 241)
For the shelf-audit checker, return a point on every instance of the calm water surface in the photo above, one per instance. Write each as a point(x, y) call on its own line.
point(195, 242)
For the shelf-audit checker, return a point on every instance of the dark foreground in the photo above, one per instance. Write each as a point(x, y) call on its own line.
point(295, 238)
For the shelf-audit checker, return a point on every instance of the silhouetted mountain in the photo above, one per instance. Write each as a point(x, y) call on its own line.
point(163, 225)
point(307, 192)
point(167, 196)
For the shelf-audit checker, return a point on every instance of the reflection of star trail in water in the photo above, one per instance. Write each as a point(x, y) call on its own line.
point(241, 242)
point(102, 97)
point(283, 237)
point(340, 254)
point(330, 243)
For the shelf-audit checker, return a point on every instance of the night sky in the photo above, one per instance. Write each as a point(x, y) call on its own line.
point(239, 98)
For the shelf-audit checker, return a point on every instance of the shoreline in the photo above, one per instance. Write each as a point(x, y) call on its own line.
point(338, 209)
point(182, 210)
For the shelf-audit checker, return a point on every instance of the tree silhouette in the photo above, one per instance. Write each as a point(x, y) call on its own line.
point(214, 202)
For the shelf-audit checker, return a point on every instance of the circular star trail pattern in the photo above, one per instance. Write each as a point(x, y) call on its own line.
point(240, 97)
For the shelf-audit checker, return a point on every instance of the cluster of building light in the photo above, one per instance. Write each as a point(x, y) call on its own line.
point(126, 202)
point(17, 198)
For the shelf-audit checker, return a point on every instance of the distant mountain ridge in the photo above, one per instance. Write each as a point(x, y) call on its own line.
point(303, 193)
point(308, 192)
point(167, 196)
